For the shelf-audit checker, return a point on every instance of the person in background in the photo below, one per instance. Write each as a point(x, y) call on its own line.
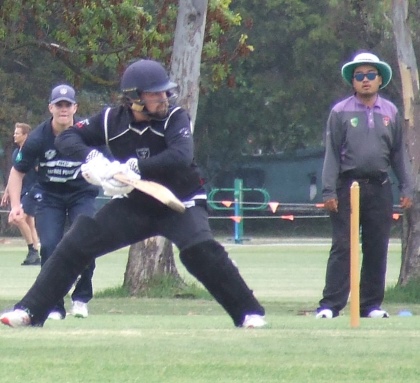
point(152, 139)
point(26, 226)
point(61, 193)
point(364, 139)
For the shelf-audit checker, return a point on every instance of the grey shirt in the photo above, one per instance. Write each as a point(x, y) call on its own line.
point(366, 141)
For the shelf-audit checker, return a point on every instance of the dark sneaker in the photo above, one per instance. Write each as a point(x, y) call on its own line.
point(32, 259)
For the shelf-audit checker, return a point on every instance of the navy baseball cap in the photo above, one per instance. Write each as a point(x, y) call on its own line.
point(63, 93)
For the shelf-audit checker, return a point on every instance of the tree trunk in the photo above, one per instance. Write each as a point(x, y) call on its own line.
point(155, 256)
point(147, 259)
point(410, 265)
point(186, 54)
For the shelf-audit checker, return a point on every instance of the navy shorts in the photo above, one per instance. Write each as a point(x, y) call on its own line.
point(28, 203)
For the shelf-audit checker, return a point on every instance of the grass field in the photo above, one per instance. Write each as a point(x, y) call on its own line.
point(170, 340)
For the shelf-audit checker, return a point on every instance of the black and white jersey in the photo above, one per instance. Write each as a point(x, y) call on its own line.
point(164, 148)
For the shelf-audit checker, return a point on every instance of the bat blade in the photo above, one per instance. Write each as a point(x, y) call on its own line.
point(155, 190)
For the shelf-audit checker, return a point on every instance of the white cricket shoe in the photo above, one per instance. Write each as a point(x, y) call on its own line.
point(16, 318)
point(79, 309)
point(254, 321)
point(378, 314)
point(55, 315)
point(324, 314)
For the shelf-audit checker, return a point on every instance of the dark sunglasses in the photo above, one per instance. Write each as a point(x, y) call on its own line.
point(361, 76)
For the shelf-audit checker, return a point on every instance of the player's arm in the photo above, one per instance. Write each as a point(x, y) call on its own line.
point(5, 199)
point(78, 141)
point(14, 186)
point(331, 167)
point(29, 157)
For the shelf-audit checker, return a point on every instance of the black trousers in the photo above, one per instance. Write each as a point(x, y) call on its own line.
point(121, 222)
point(52, 212)
point(375, 224)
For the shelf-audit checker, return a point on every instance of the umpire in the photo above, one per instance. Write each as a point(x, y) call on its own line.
point(151, 137)
point(364, 141)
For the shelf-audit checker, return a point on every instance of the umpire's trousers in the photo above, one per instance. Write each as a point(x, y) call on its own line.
point(375, 223)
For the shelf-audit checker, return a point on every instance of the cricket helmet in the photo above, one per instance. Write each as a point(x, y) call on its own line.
point(145, 76)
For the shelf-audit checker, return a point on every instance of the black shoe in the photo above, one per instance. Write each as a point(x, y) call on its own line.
point(32, 259)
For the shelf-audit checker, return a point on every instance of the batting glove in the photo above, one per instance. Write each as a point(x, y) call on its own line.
point(114, 187)
point(131, 169)
point(95, 168)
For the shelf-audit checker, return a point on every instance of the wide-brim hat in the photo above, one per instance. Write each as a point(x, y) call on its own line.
point(366, 58)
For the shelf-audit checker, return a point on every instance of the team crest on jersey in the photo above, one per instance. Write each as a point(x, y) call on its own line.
point(185, 132)
point(50, 154)
point(354, 122)
point(386, 120)
point(143, 153)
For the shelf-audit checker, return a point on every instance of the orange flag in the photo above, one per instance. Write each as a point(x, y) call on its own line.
point(396, 216)
point(289, 217)
point(236, 218)
point(227, 203)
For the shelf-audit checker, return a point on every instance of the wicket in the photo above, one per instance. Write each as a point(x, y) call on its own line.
point(354, 255)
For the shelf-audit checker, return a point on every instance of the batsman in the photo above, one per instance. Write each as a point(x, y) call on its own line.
point(150, 138)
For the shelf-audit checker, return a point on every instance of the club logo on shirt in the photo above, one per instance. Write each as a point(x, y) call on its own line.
point(81, 124)
point(185, 132)
point(50, 154)
point(354, 122)
point(143, 153)
point(386, 120)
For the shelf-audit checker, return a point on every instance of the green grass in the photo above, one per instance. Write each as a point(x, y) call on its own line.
point(178, 340)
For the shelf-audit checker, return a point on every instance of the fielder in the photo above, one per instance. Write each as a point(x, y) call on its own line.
point(151, 138)
point(61, 193)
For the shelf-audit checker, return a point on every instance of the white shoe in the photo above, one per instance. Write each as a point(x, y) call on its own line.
point(55, 315)
point(254, 321)
point(378, 314)
point(16, 318)
point(79, 309)
point(324, 314)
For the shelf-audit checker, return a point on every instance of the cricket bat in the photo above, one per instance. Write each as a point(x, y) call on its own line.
point(155, 190)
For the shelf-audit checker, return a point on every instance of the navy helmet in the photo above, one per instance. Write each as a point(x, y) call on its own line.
point(145, 76)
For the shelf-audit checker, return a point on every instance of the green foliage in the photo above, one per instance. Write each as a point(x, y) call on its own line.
point(88, 44)
point(277, 99)
point(270, 72)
